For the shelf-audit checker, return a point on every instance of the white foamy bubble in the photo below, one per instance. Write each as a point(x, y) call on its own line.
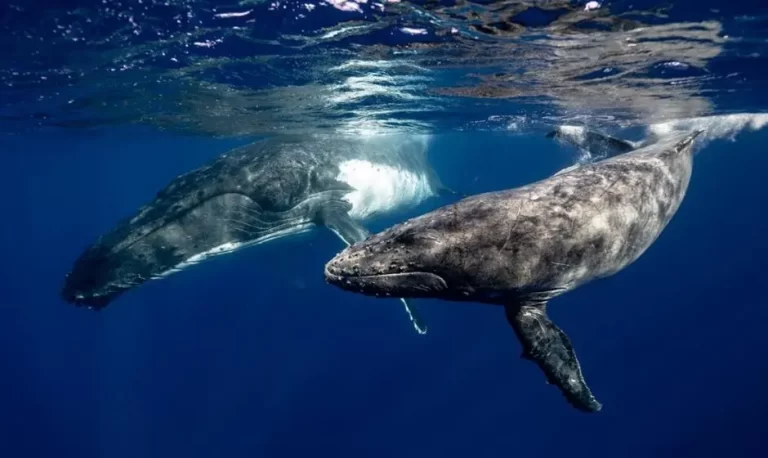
point(412, 31)
point(228, 15)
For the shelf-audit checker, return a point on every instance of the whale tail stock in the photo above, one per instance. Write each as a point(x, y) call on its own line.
point(686, 142)
point(550, 348)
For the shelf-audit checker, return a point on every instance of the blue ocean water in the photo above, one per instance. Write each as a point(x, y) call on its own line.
point(253, 354)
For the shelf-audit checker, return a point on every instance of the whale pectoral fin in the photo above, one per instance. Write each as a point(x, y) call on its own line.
point(341, 224)
point(350, 231)
point(548, 346)
point(417, 322)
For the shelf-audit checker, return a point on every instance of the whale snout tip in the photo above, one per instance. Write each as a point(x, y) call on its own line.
point(341, 268)
point(331, 273)
point(82, 288)
point(79, 298)
point(354, 270)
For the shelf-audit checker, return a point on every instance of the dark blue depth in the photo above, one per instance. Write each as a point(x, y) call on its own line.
point(254, 355)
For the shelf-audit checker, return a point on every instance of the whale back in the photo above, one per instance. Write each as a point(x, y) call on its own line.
point(591, 222)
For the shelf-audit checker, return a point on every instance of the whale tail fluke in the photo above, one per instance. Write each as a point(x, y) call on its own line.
point(550, 348)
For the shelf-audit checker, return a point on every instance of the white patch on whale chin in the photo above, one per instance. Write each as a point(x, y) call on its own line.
point(231, 247)
point(382, 188)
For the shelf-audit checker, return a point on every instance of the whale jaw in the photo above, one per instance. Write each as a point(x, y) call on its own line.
point(222, 225)
point(409, 284)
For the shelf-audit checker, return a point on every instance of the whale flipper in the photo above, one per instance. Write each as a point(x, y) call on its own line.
point(549, 347)
point(341, 224)
point(350, 232)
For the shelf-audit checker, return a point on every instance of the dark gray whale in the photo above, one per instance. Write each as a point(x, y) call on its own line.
point(522, 247)
point(252, 195)
point(597, 144)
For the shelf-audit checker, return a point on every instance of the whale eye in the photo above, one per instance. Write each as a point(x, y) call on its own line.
point(405, 238)
point(412, 237)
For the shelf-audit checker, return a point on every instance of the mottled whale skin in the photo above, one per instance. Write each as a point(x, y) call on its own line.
point(251, 195)
point(522, 247)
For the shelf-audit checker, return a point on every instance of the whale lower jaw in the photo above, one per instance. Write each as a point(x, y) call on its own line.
point(410, 284)
point(231, 247)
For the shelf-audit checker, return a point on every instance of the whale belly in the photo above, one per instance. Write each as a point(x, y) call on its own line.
point(381, 188)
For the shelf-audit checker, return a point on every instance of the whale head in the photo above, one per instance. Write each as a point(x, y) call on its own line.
point(415, 259)
point(130, 255)
point(93, 281)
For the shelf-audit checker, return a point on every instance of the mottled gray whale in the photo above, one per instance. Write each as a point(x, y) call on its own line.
point(255, 194)
point(522, 247)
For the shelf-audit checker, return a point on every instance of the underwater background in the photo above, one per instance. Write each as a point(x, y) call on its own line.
point(253, 354)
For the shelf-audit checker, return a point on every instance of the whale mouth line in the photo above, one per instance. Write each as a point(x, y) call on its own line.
point(94, 301)
point(342, 277)
point(412, 283)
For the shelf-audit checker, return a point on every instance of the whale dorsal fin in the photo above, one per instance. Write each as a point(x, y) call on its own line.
point(335, 217)
point(549, 347)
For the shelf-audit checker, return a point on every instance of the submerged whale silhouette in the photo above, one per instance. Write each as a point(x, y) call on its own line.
point(252, 195)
